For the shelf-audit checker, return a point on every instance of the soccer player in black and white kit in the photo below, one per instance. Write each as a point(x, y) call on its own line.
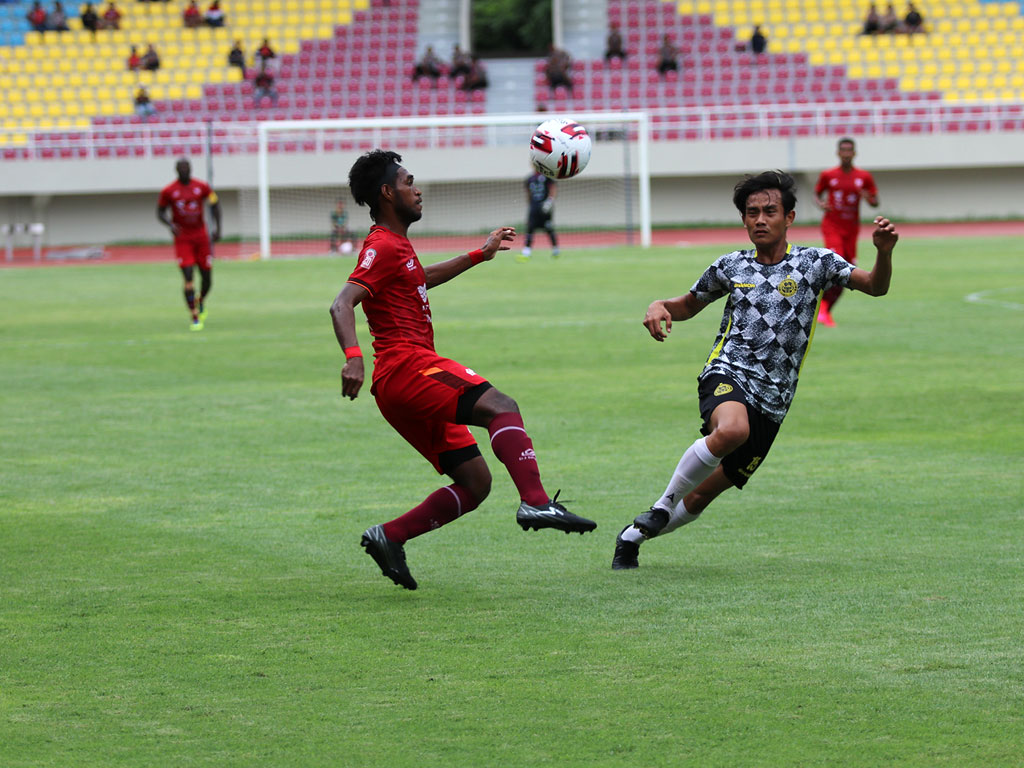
point(540, 193)
point(773, 292)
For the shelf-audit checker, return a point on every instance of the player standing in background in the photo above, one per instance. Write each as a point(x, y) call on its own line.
point(428, 399)
point(540, 195)
point(749, 379)
point(838, 192)
point(184, 198)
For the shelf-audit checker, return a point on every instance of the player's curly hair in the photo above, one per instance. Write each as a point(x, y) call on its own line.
point(779, 180)
point(369, 173)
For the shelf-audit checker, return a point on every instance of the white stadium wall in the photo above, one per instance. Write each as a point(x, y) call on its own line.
point(935, 177)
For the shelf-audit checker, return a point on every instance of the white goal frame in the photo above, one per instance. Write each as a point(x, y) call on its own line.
point(268, 129)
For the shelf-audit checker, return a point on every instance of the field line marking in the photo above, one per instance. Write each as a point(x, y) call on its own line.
point(982, 297)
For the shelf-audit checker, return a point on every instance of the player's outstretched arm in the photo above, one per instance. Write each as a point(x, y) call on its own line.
point(661, 313)
point(876, 282)
point(343, 316)
point(443, 271)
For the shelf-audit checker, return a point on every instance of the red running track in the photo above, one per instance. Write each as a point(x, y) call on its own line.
point(732, 237)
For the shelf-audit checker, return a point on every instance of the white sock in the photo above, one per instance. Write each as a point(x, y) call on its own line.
point(679, 518)
point(632, 534)
point(694, 467)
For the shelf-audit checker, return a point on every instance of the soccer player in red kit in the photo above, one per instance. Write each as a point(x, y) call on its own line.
point(180, 208)
point(838, 192)
point(428, 399)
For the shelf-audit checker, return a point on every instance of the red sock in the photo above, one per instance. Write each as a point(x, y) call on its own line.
point(514, 449)
point(439, 508)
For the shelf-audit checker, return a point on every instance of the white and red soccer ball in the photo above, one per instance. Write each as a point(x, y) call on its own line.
point(560, 148)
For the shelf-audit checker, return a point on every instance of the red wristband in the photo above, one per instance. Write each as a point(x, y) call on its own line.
point(475, 257)
point(351, 352)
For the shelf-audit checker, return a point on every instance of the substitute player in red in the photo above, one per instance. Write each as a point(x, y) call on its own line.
point(838, 192)
point(428, 399)
point(184, 199)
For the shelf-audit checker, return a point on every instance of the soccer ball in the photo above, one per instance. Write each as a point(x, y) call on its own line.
point(560, 148)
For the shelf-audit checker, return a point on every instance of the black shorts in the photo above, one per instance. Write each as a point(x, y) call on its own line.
point(745, 460)
point(537, 219)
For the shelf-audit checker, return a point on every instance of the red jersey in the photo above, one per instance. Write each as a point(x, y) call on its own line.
point(397, 309)
point(844, 195)
point(186, 202)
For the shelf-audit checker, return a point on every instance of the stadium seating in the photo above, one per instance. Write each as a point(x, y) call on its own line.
point(331, 63)
point(816, 56)
point(352, 58)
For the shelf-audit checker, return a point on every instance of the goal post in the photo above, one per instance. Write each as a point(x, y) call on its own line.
point(471, 169)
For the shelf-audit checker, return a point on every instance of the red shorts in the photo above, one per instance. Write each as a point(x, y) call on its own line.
point(841, 239)
point(192, 247)
point(418, 391)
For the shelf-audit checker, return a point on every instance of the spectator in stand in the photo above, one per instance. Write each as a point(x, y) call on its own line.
point(477, 78)
point(889, 22)
point(111, 18)
point(263, 86)
point(462, 62)
point(37, 16)
point(57, 19)
point(667, 56)
point(89, 17)
point(151, 59)
point(430, 65)
point(134, 60)
point(236, 57)
point(263, 54)
point(214, 16)
point(143, 104)
point(758, 42)
point(613, 46)
point(557, 69)
point(913, 22)
point(192, 16)
point(872, 22)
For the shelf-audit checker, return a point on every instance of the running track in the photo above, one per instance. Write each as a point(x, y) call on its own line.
point(729, 237)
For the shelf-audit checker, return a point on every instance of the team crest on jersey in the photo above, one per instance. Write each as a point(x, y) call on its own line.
point(723, 389)
point(368, 258)
point(788, 287)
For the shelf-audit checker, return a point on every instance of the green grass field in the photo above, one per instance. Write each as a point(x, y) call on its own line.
point(181, 582)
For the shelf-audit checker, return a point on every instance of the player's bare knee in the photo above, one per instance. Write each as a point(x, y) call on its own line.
point(492, 403)
point(727, 437)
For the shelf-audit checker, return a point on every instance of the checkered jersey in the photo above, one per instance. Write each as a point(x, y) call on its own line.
point(768, 320)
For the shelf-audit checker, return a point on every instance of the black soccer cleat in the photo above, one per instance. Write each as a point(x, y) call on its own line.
point(552, 515)
point(626, 553)
point(651, 522)
point(389, 556)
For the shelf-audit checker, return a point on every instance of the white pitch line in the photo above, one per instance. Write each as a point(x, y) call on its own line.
point(982, 297)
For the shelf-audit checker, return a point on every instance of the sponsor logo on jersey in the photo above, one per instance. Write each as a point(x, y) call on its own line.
point(744, 285)
point(368, 258)
point(788, 287)
point(723, 389)
point(471, 372)
point(422, 291)
point(410, 264)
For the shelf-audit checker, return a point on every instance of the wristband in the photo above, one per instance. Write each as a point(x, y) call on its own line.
point(475, 257)
point(351, 352)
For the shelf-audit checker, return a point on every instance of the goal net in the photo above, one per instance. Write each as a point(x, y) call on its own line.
point(471, 170)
